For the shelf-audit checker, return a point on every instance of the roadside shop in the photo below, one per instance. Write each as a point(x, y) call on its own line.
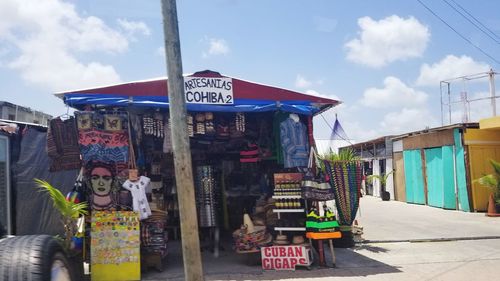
point(251, 149)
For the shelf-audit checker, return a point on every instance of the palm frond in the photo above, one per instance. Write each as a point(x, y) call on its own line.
point(371, 178)
point(489, 180)
point(66, 208)
point(496, 166)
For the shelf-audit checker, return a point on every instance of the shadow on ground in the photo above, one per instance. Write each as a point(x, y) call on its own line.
point(232, 266)
point(371, 248)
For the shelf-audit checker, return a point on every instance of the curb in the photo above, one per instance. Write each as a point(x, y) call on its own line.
point(429, 240)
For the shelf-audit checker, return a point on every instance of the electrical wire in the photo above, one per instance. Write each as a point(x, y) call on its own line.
point(485, 27)
point(469, 20)
point(458, 33)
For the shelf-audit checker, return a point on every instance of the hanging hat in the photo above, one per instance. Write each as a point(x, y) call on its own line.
point(247, 222)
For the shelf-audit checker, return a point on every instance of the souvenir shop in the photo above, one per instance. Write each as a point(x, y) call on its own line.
point(250, 147)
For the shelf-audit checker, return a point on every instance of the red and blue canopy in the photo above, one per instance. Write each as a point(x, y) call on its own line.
point(247, 97)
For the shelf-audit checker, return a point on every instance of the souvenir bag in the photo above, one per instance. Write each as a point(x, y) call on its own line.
point(321, 223)
point(77, 194)
point(314, 185)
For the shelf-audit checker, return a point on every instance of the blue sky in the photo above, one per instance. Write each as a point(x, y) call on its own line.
point(383, 59)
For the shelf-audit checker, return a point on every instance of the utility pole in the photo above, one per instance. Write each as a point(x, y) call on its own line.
point(491, 74)
point(193, 270)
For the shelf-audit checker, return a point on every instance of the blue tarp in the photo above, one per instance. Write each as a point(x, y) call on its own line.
point(240, 105)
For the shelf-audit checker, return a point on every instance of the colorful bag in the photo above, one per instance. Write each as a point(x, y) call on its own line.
point(317, 223)
point(314, 185)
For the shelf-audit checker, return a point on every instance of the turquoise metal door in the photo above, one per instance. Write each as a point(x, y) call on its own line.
point(414, 180)
point(440, 177)
point(434, 173)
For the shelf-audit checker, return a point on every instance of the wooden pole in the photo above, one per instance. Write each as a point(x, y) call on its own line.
point(193, 270)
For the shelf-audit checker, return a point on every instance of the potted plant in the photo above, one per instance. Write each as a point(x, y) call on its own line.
point(382, 178)
point(493, 182)
point(70, 211)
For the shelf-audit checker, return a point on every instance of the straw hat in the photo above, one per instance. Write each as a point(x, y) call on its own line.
point(247, 221)
point(267, 240)
point(260, 209)
point(281, 240)
point(298, 239)
point(258, 221)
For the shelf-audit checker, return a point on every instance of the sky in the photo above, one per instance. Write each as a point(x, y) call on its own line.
point(384, 60)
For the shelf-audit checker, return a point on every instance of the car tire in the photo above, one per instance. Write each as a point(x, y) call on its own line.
point(33, 257)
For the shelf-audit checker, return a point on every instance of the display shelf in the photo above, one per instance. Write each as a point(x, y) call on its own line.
point(287, 197)
point(290, 228)
point(288, 210)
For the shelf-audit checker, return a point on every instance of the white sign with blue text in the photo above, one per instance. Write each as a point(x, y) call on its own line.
point(209, 90)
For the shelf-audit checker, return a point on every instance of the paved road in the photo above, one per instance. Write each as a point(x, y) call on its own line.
point(475, 256)
point(393, 221)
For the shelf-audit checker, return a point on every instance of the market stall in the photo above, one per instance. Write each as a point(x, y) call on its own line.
point(245, 138)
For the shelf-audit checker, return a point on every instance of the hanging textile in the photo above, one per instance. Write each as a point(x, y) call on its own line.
point(206, 196)
point(345, 178)
point(62, 145)
point(294, 143)
point(104, 138)
point(140, 201)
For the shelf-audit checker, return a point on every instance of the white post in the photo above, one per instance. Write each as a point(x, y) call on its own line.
point(492, 92)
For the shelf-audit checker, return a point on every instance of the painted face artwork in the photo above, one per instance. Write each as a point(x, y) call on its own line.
point(101, 180)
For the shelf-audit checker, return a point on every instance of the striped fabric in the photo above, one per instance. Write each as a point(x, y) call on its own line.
point(62, 145)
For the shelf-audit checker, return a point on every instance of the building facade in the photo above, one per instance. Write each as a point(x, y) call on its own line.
point(14, 112)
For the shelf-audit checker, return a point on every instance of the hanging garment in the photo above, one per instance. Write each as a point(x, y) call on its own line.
point(139, 199)
point(62, 145)
point(294, 143)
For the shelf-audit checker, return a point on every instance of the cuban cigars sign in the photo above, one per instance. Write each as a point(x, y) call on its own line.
point(209, 90)
point(284, 257)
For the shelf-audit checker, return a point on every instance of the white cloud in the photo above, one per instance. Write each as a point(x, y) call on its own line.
point(133, 27)
point(161, 52)
point(325, 24)
point(216, 47)
point(394, 94)
point(407, 120)
point(449, 67)
point(49, 35)
point(61, 71)
point(301, 82)
point(329, 96)
point(388, 40)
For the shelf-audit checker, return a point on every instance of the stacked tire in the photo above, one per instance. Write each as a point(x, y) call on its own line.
point(33, 257)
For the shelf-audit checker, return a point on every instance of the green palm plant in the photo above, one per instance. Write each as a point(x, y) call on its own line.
point(382, 178)
point(69, 210)
point(492, 181)
point(344, 155)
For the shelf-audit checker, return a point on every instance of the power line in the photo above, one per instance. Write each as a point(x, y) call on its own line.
point(469, 20)
point(458, 33)
point(485, 27)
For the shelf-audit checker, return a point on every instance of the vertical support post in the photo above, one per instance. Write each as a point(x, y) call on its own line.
point(491, 75)
point(441, 99)
point(449, 103)
point(193, 270)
